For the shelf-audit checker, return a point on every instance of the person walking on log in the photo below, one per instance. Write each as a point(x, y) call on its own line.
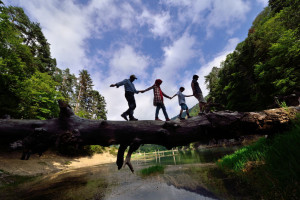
point(181, 101)
point(158, 99)
point(129, 95)
point(198, 94)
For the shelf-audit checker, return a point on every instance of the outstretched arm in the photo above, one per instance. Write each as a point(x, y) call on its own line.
point(142, 91)
point(189, 95)
point(174, 96)
point(166, 96)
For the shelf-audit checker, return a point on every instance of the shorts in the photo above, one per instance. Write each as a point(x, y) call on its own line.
point(200, 98)
point(184, 106)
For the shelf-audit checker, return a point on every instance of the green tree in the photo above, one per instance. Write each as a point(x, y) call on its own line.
point(15, 57)
point(38, 97)
point(66, 84)
point(89, 104)
point(34, 38)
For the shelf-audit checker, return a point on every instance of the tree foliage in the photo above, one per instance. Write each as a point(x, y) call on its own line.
point(264, 65)
point(30, 81)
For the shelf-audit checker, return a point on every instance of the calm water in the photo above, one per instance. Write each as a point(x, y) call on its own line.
point(106, 182)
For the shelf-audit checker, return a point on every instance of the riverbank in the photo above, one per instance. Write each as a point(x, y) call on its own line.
point(48, 163)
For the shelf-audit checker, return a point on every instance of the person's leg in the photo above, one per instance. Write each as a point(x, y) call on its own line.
point(180, 114)
point(158, 106)
point(165, 112)
point(131, 104)
point(187, 113)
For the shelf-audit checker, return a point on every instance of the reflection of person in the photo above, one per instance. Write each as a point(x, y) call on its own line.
point(158, 100)
point(129, 95)
point(198, 93)
point(181, 101)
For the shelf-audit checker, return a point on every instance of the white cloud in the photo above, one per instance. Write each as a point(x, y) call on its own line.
point(159, 24)
point(212, 14)
point(229, 13)
point(127, 61)
point(176, 57)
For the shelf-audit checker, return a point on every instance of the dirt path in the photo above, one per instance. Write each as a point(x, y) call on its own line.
point(48, 163)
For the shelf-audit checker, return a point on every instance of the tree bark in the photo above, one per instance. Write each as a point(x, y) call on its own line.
point(216, 125)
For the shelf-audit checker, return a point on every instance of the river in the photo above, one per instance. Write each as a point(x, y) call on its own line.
point(108, 183)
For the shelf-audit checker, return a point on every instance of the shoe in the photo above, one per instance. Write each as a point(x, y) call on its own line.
point(189, 117)
point(181, 118)
point(157, 119)
point(167, 119)
point(124, 116)
point(201, 113)
point(133, 119)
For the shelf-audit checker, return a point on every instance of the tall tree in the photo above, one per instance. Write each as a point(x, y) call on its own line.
point(83, 91)
point(34, 38)
point(89, 103)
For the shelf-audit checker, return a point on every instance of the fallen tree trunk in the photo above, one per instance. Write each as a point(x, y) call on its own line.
point(71, 129)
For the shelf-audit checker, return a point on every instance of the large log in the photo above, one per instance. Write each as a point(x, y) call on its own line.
point(41, 134)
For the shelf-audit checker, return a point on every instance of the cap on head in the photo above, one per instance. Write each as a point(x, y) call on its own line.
point(133, 77)
point(195, 76)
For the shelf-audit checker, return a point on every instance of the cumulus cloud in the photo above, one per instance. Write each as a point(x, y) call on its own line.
point(227, 14)
point(127, 61)
point(176, 56)
point(159, 24)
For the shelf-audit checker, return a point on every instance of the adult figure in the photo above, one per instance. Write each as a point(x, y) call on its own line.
point(158, 99)
point(129, 95)
point(197, 92)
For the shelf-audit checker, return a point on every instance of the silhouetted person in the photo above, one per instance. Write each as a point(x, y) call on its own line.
point(158, 99)
point(198, 93)
point(129, 95)
point(181, 101)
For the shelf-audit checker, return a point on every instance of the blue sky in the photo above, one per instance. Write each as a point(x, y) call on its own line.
point(167, 39)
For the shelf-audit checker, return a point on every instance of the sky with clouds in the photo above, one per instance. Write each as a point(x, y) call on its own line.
point(167, 39)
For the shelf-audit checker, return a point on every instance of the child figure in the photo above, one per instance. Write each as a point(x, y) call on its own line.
point(181, 101)
point(158, 100)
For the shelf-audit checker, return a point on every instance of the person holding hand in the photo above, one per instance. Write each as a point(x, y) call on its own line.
point(129, 95)
point(181, 101)
point(158, 99)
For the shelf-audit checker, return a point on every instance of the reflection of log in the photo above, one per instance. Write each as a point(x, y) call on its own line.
point(169, 134)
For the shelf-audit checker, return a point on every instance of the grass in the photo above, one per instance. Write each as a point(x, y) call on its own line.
point(10, 181)
point(156, 169)
point(272, 165)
